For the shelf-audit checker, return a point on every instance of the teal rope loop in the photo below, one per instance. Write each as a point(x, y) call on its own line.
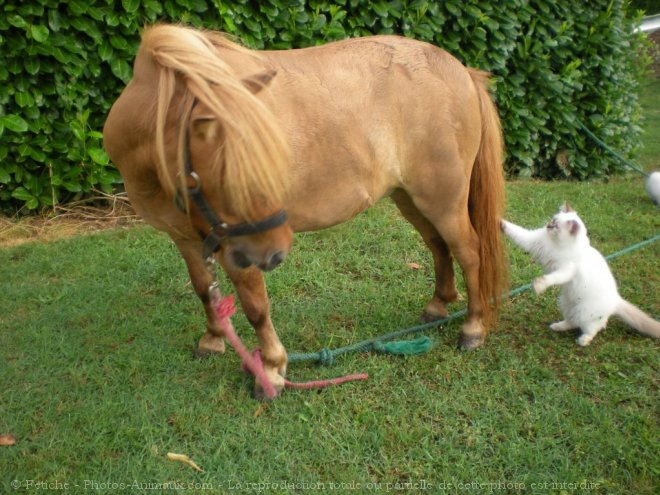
point(602, 144)
point(328, 356)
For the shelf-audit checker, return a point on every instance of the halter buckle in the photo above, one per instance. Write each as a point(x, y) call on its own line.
point(196, 181)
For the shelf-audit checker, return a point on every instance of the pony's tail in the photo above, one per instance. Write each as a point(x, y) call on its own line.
point(486, 203)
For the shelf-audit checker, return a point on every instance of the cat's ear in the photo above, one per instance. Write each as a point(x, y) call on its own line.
point(573, 227)
point(566, 207)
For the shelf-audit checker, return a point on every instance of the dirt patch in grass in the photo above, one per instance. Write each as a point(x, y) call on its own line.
point(90, 215)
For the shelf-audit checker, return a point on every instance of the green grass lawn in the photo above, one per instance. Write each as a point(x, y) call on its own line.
point(99, 383)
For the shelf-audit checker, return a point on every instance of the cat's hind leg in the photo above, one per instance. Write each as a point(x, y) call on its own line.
point(562, 326)
point(589, 331)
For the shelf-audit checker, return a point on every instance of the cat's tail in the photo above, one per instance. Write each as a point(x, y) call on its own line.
point(637, 319)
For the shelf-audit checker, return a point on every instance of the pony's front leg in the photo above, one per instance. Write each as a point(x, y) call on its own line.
point(212, 342)
point(251, 290)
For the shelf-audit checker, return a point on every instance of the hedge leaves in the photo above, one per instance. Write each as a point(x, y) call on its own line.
point(555, 62)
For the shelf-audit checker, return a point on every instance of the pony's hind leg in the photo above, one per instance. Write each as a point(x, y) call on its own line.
point(251, 290)
point(464, 244)
point(445, 282)
point(212, 342)
point(454, 226)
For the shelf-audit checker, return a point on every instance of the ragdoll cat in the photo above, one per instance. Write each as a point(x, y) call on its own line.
point(653, 187)
point(589, 294)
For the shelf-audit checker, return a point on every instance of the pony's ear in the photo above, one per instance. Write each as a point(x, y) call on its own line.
point(566, 207)
point(257, 82)
point(205, 127)
point(573, 227)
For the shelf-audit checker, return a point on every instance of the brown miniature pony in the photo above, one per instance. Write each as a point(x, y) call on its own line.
point(234, 136)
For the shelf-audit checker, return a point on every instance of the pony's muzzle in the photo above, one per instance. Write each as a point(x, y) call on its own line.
point(242, 260)
point(265, 251)
point(275, 259)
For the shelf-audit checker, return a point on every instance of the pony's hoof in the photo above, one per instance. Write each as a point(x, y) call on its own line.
point(210, 345)
point(204, 354)
point(470, 342)
point(435, 310)
point(258, 393)
point(431, 316)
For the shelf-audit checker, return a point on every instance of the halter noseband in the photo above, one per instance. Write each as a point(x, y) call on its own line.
point(219, 229)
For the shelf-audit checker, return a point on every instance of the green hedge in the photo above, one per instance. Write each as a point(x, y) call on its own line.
point(650, 7)
point(62, 64)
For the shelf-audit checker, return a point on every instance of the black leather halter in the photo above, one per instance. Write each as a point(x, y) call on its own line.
point(219, 230)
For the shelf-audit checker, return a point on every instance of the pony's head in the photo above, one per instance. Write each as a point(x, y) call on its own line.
point(236, 145)
point(256, 231)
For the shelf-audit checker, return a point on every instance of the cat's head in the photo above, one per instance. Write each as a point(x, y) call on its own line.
point(566, 225)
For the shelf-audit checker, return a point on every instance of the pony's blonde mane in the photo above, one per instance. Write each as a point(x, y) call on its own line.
point(254, 158)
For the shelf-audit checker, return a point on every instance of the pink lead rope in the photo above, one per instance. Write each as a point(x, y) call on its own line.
point(224, 309)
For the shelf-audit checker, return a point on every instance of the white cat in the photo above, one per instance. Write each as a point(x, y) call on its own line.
point(589, 294)
point(653, 187)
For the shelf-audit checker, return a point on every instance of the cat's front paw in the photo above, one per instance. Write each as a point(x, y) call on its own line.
point(584, 340)
point(540, 284)
point(505, 226)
